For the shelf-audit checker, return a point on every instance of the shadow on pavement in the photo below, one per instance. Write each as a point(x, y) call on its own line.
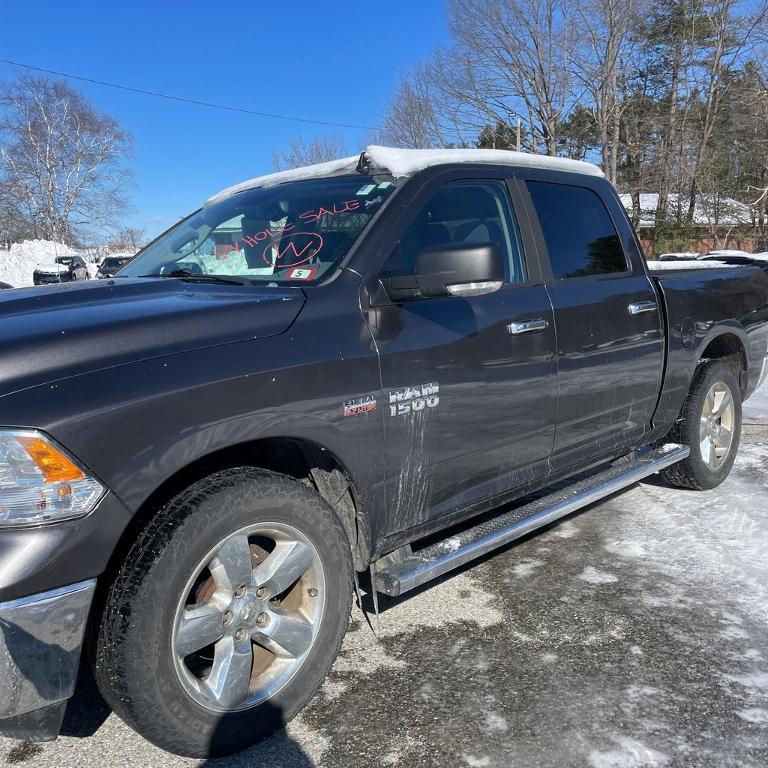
point(87, 711)
point(277, 751)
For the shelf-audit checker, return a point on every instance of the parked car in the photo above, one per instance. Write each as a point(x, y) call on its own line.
point(681, 256)
point(62, 269)
point(746, 259)
point(378, 351)
point(110, 265)
point(727, 252)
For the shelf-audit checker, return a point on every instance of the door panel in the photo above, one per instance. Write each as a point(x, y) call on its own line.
point(490, 423)
point(609, 364)
point(469, 407)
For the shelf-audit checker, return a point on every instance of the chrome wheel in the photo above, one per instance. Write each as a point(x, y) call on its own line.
point(248, 617)
point(716, 426)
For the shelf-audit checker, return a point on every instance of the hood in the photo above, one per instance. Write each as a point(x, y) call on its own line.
point(50, 333)
point(53, 267)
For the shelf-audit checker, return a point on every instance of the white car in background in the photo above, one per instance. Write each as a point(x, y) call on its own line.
point(729, 252)
point(681, 256)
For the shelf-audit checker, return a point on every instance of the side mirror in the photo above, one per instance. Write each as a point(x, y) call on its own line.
point(459, 269)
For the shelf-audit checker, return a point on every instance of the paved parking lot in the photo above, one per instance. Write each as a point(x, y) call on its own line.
point(632, 634)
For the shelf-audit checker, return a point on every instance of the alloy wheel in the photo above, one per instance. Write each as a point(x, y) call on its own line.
point(248, 617)
point(716, 426)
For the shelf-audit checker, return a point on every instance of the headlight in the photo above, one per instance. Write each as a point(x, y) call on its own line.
point(39, 483)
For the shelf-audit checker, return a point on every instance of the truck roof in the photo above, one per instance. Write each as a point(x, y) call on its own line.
point(399, 163)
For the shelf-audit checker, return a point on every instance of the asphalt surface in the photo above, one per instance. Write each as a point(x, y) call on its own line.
point(632, 634)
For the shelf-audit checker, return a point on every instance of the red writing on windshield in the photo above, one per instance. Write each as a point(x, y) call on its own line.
point(266, 234)
point(297, 248)
point(308, 217)
point(337, 208)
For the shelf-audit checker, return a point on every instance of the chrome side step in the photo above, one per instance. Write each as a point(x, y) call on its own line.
point(439, 558)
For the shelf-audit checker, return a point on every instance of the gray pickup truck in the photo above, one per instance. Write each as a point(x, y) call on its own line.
point(316, 376)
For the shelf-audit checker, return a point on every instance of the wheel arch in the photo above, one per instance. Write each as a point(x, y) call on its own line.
point(302, 459)
point(728, 345)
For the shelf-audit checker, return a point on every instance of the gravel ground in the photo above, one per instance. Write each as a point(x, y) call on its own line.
point(632, 634)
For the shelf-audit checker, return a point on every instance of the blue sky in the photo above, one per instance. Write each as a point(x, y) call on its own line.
point(326, 61)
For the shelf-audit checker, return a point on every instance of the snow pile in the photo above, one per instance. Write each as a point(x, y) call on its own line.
point(406, 162)
point(18, 264)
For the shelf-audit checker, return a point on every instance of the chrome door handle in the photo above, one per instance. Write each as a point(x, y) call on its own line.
point(641, 307)
point(526, 326)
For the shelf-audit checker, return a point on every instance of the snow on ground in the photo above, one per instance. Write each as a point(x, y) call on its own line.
point(756, 408)
point(631, 635)
point(18, 264)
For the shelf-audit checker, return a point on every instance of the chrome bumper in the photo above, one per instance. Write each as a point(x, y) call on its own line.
point(40, 641)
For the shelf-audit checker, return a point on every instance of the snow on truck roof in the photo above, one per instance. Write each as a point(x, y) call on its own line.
point(405, 162)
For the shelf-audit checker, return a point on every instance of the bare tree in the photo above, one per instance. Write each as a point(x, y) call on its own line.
point(509, 59)
point(320, 149)
point(726, 37)
point(411, 120)
point(62, 159)
point(603, 65)
point(128, 239)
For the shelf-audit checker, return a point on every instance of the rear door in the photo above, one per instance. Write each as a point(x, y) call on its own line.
point(469, 399)
point(610, 347)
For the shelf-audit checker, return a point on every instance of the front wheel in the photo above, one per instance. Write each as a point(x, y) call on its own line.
point(710, 423)
point(226, 614)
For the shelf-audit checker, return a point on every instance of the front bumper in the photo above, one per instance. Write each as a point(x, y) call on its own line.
point(47, 279)
point(40, 641)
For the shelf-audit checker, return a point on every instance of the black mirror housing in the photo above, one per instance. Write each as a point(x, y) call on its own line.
point(459, 269)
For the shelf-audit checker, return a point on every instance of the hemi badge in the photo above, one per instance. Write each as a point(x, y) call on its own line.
point(363, 404)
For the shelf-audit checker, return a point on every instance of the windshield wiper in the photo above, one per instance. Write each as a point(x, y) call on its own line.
point(184, 274)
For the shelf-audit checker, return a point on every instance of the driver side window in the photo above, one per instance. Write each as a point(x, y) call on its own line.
point(469, 211)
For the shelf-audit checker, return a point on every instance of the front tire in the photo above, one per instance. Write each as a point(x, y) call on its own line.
point(710, 423)
point(226, 614)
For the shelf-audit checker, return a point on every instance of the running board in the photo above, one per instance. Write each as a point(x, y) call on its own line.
point(436, 559)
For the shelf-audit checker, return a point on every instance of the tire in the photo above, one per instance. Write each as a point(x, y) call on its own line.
point(703, 469)
point(161, 603)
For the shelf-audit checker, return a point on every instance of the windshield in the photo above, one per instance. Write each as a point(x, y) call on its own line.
point(298, 231)
point(66, 260)
point(113, 262)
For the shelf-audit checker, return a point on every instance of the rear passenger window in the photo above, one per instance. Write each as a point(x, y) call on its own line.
point(578, 231)
point(463, 212)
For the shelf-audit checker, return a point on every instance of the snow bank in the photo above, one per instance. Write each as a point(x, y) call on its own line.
point(406, 162)
point(17, 264)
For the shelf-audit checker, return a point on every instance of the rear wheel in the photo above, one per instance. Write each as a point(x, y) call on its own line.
point(226, 614)
point(710, 424)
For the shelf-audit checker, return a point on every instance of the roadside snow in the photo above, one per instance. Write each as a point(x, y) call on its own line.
point(406, 162)
point(18, 264)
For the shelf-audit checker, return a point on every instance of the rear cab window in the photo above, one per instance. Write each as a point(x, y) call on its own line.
point(578, 231)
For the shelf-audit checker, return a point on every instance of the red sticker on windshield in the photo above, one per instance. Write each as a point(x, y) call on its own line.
point(305, 273)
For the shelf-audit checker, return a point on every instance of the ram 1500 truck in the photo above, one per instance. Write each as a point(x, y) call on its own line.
point(310, 377)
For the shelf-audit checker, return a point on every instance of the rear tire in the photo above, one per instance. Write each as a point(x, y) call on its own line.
point(226, 614)
point(710, 423)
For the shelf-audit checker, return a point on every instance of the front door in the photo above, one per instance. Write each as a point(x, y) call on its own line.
point(469, 390)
